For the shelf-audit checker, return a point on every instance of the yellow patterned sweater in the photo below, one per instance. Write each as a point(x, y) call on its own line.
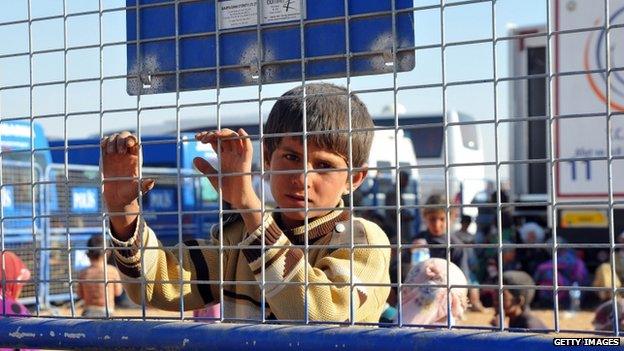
point(283, 270)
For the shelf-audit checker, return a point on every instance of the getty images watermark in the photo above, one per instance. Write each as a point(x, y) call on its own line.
point(586, 341)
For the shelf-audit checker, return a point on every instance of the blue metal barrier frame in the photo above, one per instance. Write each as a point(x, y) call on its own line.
point(155, 335)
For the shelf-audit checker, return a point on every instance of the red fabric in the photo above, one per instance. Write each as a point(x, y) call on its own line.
point(12, 273)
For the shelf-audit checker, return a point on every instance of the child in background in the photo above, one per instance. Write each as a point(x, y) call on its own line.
point(435, 220)
point(92, 293)
point(315, 196)
point(517, 302)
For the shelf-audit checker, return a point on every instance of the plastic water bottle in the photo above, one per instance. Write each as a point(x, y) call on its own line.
point(419, 255)
point(575, 299)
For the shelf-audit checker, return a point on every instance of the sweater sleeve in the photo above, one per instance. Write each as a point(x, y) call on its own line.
point(329, 293)
point(161, 276)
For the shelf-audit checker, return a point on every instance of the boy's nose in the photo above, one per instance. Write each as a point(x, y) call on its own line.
point(299, 178)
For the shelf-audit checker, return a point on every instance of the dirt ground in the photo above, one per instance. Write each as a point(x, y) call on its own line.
point(580, 321)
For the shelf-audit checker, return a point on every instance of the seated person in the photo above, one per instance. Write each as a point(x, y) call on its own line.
point(530, 257)
point(428, 305)
point(517, 302)
point(570, 270)
point(602, 277)
point(93, 293)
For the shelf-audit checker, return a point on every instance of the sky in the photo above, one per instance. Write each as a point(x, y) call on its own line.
point(463, 62)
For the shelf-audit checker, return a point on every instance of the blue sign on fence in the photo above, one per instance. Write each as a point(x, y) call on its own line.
point(242, 60)
point(163, 199)
point(85, 199)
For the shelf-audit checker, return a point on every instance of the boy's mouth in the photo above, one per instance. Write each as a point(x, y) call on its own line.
point(297, 198)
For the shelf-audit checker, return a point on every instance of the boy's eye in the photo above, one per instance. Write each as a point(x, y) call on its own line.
point(291, 157)
point(324, 165)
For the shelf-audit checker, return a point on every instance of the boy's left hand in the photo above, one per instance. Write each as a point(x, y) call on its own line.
point(235, 156)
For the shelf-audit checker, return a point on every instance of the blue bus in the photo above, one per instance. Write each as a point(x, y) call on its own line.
point(194, 198)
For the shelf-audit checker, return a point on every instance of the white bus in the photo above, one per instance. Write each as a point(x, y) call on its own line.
point(466, 172)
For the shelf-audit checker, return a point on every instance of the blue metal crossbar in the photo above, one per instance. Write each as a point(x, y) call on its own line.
point(151, 335)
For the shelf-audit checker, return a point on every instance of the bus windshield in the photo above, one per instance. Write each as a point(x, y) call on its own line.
point(427, 141)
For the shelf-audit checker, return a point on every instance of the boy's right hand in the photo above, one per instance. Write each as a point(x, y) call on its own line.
point(120, 158)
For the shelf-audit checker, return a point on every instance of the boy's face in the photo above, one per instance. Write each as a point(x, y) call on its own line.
point(509, 255)
point(436, 222)
point(324, 188)
point(510, 305)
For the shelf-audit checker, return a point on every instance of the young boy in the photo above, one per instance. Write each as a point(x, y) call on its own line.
point(93, 293)
point(435, 219)
point(517, 302)
point(282, 266)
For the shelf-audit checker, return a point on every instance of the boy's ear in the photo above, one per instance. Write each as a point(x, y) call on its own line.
point(267, 157)
point(520, 301)
point(358, 177)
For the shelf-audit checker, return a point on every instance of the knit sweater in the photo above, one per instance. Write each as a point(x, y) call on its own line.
point(328, 267)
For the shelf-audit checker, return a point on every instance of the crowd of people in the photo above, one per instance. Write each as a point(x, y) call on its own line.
point(521, 264)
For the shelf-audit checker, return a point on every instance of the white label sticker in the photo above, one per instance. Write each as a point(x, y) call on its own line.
point(281, 10)
point(241, 13)
point(237, 13)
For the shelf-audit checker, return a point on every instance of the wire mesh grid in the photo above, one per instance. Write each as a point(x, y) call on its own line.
point(503, 166)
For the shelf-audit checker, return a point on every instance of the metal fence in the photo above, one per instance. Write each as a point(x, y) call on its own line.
point(524, 139)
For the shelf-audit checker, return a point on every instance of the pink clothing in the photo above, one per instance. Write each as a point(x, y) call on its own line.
point(428, 304)
point(211, 311)
point(13, 308)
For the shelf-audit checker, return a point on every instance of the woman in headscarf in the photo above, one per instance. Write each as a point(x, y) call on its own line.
point(428, 304)
point(12, 275)
point(531, 257)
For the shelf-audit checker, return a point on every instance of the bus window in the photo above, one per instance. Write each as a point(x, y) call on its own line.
point(468, 133)
point(384, 167)
point(427, 141)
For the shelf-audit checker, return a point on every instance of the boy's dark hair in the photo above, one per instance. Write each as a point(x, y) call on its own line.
point(520, 278)
point(95, 244)
point(326, 110)
point(438, 203)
